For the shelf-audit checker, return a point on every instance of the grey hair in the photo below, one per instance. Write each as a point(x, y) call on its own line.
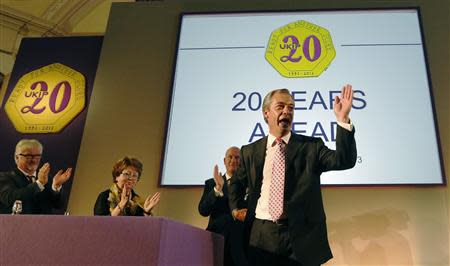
point(230, 148)
point(28, 143)
point(268, 99)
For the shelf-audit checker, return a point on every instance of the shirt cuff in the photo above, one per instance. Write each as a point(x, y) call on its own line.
point(218, 193)
point(233, 213)
point(56, 189)
point(347, 126)
point(41, 187)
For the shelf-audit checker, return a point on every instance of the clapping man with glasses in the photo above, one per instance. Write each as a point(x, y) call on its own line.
point(29, 184)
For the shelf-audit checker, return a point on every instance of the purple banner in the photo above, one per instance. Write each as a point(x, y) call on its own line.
point(47, 99)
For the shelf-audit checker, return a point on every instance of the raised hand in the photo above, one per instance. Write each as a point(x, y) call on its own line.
point(218, 178)
point(151, 202)
point(43, 174)
point(61, 177)
point(343, 104)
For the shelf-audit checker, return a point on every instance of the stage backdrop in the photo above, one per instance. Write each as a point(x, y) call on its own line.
point(47, 98)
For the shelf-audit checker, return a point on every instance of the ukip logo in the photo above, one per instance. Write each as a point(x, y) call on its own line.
point(47, 99)
point(300, 49)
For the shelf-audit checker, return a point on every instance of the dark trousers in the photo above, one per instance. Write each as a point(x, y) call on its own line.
point(269, 245)
point(237, 242)
point(234, 246)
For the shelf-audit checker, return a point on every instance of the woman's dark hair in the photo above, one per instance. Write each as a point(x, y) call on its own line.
point(125, 162)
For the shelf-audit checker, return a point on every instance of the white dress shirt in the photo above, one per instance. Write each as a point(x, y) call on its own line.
point(262, 207)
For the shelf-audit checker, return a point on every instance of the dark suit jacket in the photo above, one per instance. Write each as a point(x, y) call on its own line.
point(216, 208)
point(306, 159)
point(14, 185)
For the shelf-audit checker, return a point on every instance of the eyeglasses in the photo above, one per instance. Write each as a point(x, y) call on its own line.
point(31, 156)
point(130, 175)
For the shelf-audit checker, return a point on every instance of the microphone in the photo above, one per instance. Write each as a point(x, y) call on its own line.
point(17, 207)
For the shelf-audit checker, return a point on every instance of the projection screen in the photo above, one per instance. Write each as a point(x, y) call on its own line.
point(227, 62)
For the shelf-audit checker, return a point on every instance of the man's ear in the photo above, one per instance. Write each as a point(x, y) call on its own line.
point(266, 114)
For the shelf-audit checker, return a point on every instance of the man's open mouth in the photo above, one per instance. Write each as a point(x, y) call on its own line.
point(284, 121)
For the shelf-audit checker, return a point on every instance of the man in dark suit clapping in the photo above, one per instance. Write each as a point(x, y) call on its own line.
point(214, 203)
point(28, 185)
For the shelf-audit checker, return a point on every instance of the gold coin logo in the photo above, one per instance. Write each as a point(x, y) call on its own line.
point(47, 99)
point(300, 49)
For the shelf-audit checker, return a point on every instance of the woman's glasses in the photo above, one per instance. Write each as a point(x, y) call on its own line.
point(130, 176)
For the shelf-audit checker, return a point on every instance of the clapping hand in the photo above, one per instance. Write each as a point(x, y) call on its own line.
point(125, 196)
point(151, 202)
point(218, 178)
point(61, 177)
point(43, 174)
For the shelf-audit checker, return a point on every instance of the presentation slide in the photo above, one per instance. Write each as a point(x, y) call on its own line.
point(227, 62)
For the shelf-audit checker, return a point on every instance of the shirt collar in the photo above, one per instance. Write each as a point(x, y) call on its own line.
point(271, 138)
point(227, 176)
point(34, 174)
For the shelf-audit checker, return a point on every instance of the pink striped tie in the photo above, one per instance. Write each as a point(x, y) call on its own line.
point(277, 184)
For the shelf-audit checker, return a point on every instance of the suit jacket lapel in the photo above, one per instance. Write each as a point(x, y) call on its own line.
point(293, 149)
point(225, 185)
point(21, 179)
point(259, 157)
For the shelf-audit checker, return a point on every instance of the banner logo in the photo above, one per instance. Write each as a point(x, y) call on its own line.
point(47, 99)
point(300, 49)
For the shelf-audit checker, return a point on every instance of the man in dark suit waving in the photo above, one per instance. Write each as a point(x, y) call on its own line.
point(282, 172)
point(214, 203)
point(28, 185)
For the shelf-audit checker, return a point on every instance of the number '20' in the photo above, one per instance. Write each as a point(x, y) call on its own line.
point(62, 87)
point(305, 49)
point(254, 101)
